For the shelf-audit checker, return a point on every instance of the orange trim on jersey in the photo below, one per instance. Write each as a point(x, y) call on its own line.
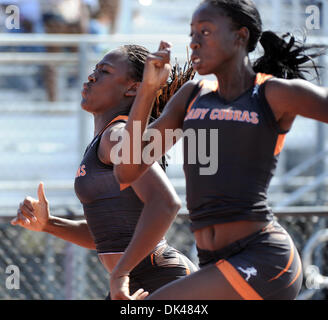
point(280, 144)
point(115, 119)
point(124, 186)
point(237, 281)
point(193, 100)
point(289, 263)
point(213, 85)
point(118, 118)
point(262, 77)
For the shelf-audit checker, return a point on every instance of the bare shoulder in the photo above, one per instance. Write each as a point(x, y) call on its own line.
point(111, 136)
point(113, 132)
point(279, 89)
point(182, 95)
point(191, 84)
point(179, 100)
point(297, 97)
point(186, 90)
point(287, 84)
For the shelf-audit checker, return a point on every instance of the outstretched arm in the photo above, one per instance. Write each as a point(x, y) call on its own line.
point(161, 204)
point(35, 215)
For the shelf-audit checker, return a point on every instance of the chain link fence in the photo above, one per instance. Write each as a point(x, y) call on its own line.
point(51, 268)
point(39, 266)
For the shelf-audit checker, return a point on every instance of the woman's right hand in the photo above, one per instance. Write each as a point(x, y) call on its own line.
point(33, 214)
point(157, 68)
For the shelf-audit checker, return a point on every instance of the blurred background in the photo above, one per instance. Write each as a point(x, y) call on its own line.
point(47, 50)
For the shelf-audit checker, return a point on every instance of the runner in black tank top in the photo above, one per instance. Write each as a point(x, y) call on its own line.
point(248, 134)
point(112, 212)
point(117, 216)
point(243, 252)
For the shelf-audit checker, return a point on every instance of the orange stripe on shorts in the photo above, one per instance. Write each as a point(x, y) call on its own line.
point(237, 281)
point(289, 263)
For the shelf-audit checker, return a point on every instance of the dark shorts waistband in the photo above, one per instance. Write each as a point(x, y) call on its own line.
point(207, 256)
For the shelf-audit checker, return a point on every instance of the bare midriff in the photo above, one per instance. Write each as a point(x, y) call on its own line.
point(110, 260)
point(218, 236)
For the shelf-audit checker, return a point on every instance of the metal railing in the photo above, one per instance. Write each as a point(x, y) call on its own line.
point(313, 278)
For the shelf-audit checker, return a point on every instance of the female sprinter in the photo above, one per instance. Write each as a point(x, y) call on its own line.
point(243, 252)
point(116, 213)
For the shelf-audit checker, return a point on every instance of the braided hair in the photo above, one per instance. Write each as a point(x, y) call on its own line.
point(137, 56)
point(284, 57)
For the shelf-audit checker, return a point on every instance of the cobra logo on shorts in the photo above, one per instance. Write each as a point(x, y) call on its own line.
point(249, 272)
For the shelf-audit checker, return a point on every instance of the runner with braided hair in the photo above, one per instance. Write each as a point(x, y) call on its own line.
point(117, 216)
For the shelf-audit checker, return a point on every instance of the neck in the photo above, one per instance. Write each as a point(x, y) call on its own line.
point(101, 120)
point(235, 79)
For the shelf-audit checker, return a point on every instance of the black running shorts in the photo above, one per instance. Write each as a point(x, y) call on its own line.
point(264, 265)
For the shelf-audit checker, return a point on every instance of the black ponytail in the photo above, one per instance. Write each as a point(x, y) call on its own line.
point(285, 57)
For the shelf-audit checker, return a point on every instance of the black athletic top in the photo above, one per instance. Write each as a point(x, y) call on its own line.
point(111, 210)
point(249, 142)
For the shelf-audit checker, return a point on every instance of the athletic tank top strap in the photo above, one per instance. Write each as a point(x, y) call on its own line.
point(247, 148)
point(260, 85)
point(261, 78)
point(120, 118)
point(211, 85)
point(116, 119)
